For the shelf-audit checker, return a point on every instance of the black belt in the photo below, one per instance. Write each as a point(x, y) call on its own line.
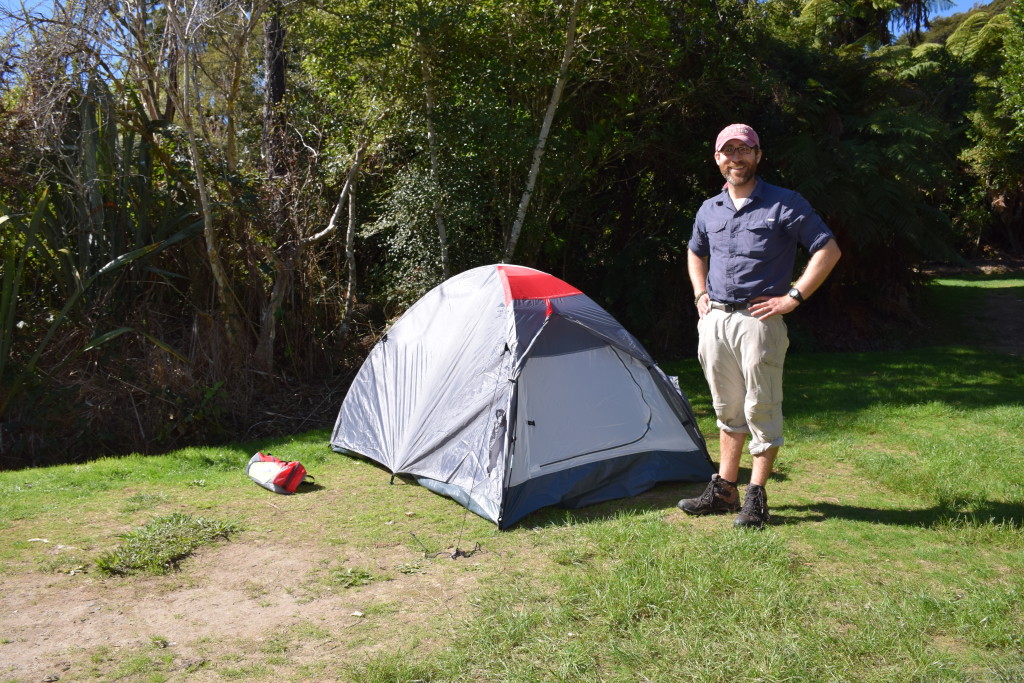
point(729, 308)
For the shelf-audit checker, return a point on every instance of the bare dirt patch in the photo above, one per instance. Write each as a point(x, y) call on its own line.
point(999, 322)
point(1004, 318)
point(271, 598)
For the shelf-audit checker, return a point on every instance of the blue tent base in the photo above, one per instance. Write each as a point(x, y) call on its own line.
point(597, 482)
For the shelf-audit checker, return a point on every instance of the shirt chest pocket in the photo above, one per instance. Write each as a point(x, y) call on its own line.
point(756, 239)
point(718, 236)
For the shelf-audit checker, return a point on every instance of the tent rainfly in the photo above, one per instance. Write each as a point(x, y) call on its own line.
point(509, 390)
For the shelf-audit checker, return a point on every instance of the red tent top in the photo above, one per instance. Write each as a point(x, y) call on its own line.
point(527, 283)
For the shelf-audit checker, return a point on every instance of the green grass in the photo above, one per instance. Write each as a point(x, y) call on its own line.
point(896, 551)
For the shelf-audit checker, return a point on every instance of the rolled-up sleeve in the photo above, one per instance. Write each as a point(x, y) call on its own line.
point(804, 223)
point(699, 239)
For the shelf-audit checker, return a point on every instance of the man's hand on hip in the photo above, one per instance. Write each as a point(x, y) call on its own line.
point(766, 306)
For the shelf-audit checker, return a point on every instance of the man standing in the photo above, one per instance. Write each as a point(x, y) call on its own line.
point(740, 260)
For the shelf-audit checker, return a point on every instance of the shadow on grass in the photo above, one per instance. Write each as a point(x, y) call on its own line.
point(985, 513)
point(664, 498)
point(818, 385)
point(962, 378)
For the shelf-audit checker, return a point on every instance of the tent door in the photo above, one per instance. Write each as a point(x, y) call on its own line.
point(578, 397)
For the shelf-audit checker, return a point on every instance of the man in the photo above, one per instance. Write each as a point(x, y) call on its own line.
point(740, 260)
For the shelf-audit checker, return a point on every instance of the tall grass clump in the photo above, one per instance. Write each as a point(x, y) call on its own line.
point(161, 545)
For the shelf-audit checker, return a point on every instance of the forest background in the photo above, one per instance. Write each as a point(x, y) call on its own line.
point(211, 209)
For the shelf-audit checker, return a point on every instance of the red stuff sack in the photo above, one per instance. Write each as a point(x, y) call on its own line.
point(274, 474)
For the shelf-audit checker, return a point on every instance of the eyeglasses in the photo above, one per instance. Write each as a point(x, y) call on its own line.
point(742, 150)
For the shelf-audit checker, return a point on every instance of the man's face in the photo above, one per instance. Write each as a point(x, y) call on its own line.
point(738, 162)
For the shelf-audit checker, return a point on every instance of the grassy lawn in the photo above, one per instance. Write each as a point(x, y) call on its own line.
point(896, 552)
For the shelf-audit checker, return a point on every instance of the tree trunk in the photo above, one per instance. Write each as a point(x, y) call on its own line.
point(284, 277)
point(276, 164)
point(350, 262)
point(233, 322)
point(172, 84)
point(275, 66)
point(545, 129)
point(91, 225)
point(428, 89)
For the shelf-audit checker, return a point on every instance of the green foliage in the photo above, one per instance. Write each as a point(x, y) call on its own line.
point(1012, 76)
point(36, 258)
point(161, 545)
point(912, 152)
point(978, 40)
point(995, 155)
point(941, 28)
point(347, 577)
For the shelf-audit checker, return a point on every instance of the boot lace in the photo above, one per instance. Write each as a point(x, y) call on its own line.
point(755, 503)
point(708, 497)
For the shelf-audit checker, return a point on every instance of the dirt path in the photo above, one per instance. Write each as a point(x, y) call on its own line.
point(239, 597)
point(1000, 321)
point(1004, 320)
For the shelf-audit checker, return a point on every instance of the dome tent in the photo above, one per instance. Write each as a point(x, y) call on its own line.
point(508, 390)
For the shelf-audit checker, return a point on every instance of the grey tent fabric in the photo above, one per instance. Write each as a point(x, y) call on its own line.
point(508, 389)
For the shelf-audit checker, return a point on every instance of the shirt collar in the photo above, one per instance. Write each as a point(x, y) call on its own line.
point(755, 195)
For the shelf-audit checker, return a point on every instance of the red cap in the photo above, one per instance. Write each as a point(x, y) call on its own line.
point(737, 131)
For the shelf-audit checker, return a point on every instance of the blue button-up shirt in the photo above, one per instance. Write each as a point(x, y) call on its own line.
point(752, 251)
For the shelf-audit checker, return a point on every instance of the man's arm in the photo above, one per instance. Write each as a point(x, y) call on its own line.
point(821, 264)
point(697, 266)
point(818, 267)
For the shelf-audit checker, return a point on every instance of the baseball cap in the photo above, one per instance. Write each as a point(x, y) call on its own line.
point(737, 131)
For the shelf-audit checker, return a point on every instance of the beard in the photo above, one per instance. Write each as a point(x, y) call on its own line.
point(738, 173)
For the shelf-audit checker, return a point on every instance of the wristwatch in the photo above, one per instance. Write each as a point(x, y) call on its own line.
point(795, 293)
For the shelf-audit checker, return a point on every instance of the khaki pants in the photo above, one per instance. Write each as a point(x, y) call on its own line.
point(742, 359)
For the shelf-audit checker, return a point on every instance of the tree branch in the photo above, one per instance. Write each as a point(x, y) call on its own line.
point(332, 226)
point(545, 129)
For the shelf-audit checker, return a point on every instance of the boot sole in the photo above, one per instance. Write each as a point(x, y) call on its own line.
point(704, 513)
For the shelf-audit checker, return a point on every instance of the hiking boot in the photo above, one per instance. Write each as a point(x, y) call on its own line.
point(718, 498)
point(754, 514)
